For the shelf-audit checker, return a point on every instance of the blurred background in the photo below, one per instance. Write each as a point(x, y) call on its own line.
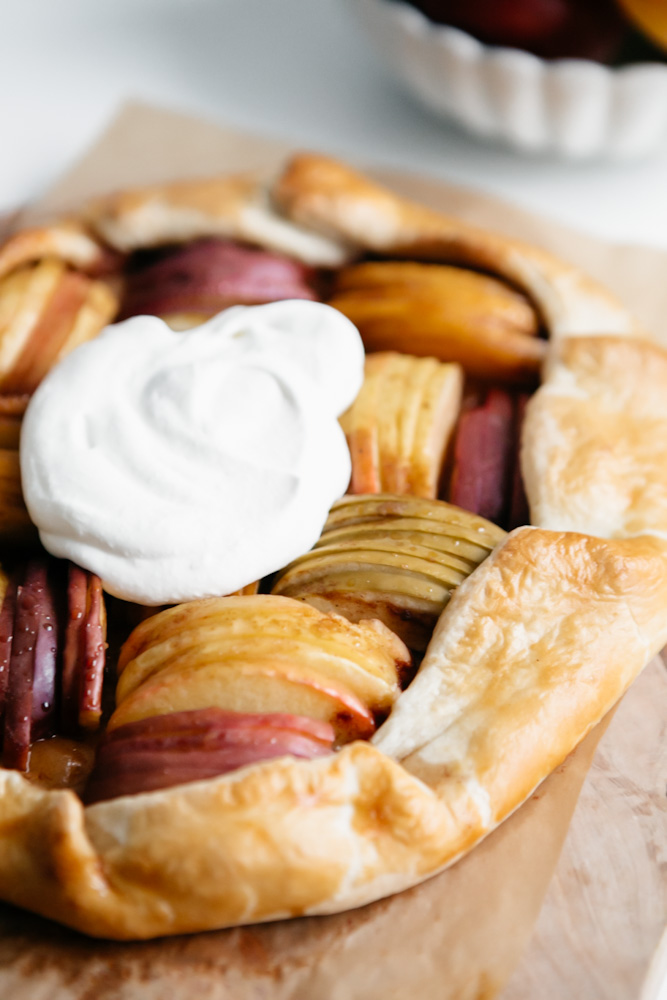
point(327, 75)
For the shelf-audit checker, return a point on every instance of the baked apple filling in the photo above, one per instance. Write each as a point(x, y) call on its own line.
point(52, 660)
point(319, 656)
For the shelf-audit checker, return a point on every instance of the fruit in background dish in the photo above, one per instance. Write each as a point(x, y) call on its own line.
point(32, 682)
point(650, 16)
point(172, 749)
point(185, 285)
point(260, 654)
point(46, 310)
point(399, 426)
point(553, 29)
point(394, 558)
point(444, 312)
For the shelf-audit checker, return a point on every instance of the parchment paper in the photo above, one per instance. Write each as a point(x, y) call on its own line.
point(456, 937)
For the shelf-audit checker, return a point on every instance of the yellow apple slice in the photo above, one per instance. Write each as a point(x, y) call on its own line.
point(357, 510)
point(376, 692)
point(400, 551)
point(409, 530)
point(23, 296)
point(406, 604)
point(394, 558)
point(45, 311)
point(444, 312)
point(249, 686)
point(466, 291)
point(372, 561)
point(269, 615)
point(400, 424)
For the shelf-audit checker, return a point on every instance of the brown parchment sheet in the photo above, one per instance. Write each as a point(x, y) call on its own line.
point(457, 936)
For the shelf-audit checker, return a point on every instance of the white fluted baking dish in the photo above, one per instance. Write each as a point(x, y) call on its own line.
point(574, 108)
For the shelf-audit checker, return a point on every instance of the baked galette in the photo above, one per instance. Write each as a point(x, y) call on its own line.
point(365, 605)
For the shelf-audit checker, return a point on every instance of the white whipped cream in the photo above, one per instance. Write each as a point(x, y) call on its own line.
point(185, 465)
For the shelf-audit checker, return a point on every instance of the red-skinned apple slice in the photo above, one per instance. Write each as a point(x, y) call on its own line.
point(32, 611)
point(45, 663)
point(209, 275)
point(6, 636)
point(482, 456)
point(77, 595)
point(94, 656)
point(189, 746)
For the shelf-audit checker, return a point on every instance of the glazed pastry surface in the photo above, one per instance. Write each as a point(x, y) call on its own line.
point(530, 653)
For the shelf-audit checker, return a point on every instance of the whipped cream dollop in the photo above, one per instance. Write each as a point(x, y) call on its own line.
point(185, 465)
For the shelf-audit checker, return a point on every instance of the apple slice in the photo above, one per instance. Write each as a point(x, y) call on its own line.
point(179, 629)
point(31, 665)
point(395, 532)
point(378, 690)
point(249, 686)
point(443, 312)
point(93, 656)
point(208, 275)
point(352, 510)
point(77, 599)
point(189, 746)
point(45, 311)
point(6, 638)
point(394, 558)
point(482, 458)
point(399, 426)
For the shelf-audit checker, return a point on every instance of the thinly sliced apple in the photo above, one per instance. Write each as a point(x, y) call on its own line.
point(457, 316)
point(161, 751)
point(208, 275)
point(377, 692)
point(394, 558)
point(94, 656)
point(363, 564)
point(483, 451)
point(467, 293)
point(32, 614)
point(351, 510)
point(6, 638)
point(401, 547)
point(412, 530)
point(77, 599)
point(242, 686)
point(268, 615)
point(399, 426)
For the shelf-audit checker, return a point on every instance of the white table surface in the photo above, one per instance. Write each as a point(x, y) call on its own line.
point(297, 69)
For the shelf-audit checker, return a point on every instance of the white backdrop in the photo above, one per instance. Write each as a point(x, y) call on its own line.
point(291, 68)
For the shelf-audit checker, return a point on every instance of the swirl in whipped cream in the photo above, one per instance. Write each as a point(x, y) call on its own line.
point(185, 465)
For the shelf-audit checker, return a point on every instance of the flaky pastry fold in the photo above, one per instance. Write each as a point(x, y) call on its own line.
point(530, 653)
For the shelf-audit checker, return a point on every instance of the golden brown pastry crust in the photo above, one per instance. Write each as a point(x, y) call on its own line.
point(69, 241)
point(593, 454)
point(235, 207)
point(530, 653)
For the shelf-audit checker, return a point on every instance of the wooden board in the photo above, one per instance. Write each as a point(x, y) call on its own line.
point(606, 907)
